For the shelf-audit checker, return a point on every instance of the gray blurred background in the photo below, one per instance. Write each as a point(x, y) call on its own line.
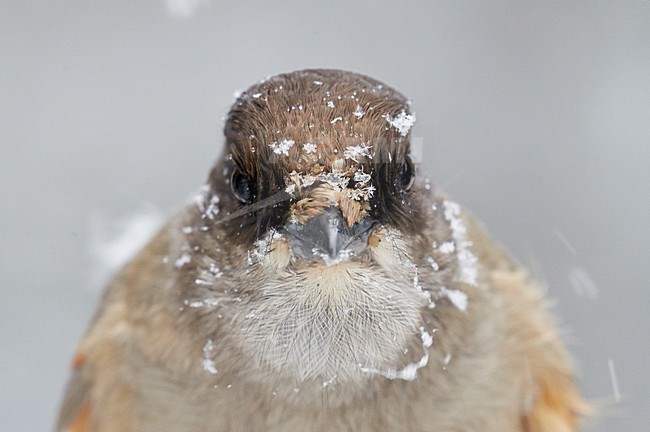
point(535, 115)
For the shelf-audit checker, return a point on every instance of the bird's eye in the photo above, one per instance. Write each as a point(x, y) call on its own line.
point(241, 187)
point(407, 176)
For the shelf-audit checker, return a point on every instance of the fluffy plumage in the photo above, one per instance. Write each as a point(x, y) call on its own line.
point(219, 325)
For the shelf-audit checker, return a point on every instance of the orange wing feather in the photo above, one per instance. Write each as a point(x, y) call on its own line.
point(76, 413)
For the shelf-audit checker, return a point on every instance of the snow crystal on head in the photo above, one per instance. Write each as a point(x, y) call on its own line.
point(309, 148)
point(337, 178)
point(403, 122)
point(361, 177)
point(282, 147)
point(357, 152)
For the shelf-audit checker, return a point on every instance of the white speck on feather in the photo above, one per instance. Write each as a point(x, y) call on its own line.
point(212, 209)
point(182, 260)
point(457, 298)
point(262, 246)
point(207, 302)
point(434, 265)
point(208, 363)
point(328, 382)
point(214, 270)
point(410, 371)
point(307, 180)
point(318, 82)
point(357, 152)
point(356, 194)
point(361, 177)
point(447, 247)
point(416, 283)
point(467, 261)
point(370, 191)
point(339, 118)
point(330, 104)
point(282, 148)
point(309, 148)
point(344, 255)
point(402, 122)
point(358, 113)
point(337, 179)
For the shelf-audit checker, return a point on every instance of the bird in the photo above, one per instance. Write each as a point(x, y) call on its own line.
point(319, 282)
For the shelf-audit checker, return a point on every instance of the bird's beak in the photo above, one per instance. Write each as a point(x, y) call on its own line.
point(329, 237)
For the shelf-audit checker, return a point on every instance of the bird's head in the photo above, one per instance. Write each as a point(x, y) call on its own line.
point(322, 157)
point(316, 220)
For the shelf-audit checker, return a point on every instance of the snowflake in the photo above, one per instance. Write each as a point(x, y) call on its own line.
point(402, 122)
point(282, 148)
point(309, 148)
point(358, 151)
